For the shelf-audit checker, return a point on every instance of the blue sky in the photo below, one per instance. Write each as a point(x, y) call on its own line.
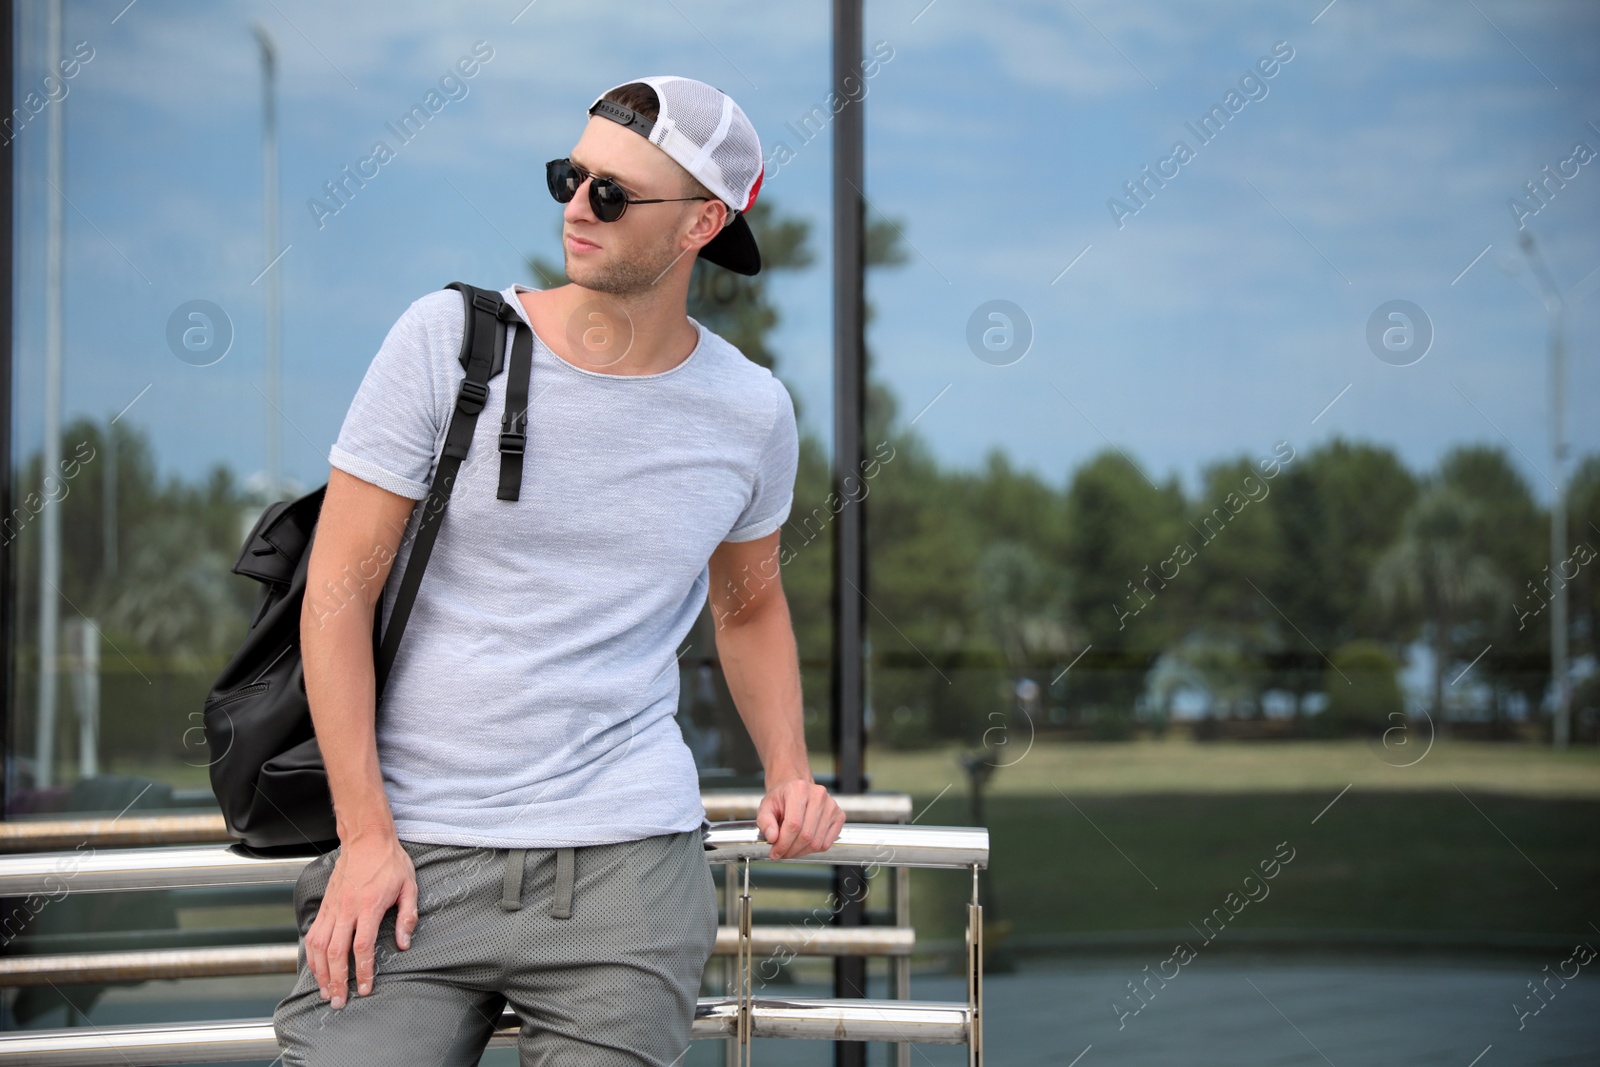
point(1226, 314)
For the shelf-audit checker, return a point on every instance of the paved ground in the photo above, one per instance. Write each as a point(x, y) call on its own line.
point(1402, 1013)
point(1227, 1011)
point(1230, 1012)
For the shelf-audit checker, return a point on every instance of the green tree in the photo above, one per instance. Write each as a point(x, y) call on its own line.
point(1021, 601)
point(1436, 577)
point(1118, 528)
point(1339, 507)
point(1363, 692)
point(924, 541)
point(1583, 593)
point(1513, 533)
point(1239, 553)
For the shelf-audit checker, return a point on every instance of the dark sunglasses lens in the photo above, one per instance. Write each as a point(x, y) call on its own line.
point(607, 199)
point(563, 179)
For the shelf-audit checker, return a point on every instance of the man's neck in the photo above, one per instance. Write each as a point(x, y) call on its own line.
point(583, 326)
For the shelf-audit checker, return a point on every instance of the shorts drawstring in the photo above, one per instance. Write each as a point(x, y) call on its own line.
point(511, 886)
point(561, 898)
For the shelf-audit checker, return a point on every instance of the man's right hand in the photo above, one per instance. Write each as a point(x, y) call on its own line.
point(369, 875)
point(359, 526)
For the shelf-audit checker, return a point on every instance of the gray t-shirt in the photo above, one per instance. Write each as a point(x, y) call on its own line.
point(532, 702)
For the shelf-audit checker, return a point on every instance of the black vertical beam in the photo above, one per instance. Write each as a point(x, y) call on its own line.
point(8, 574)
point(849, 531)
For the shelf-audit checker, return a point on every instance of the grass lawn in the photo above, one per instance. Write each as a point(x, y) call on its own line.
point(1177, 764)
point(1374, 861)
point(1153, 835)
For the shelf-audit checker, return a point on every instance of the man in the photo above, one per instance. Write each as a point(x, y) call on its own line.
point(521, 822)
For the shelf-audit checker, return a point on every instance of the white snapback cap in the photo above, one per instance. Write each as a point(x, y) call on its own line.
point(707, 134)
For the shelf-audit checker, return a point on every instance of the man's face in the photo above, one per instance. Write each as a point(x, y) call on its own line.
point(630, 255)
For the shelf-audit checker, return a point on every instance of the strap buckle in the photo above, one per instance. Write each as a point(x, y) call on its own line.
point(472, 396)
point(512, 442)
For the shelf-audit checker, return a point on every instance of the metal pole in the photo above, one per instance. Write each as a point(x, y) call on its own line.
point(732, 1052)
point(50, 518)
point(108, 482)
point(8, 583)
point(849, 531)
point(849, 569)
point(1555, 309)
point(83, 664)
point(269, 213)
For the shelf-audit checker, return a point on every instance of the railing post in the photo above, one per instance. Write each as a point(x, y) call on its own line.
point(902, 964)
point(730, 967)
point(746, 1023)
point(975, 976)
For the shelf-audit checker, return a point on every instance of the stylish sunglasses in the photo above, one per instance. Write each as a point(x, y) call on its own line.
point(606, 197)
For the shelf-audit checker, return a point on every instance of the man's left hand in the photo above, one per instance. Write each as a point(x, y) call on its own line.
point(799, 816)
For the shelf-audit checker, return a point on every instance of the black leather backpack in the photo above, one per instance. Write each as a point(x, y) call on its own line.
point(266, 770)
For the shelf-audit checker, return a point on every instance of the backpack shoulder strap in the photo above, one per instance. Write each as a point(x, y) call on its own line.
point(482, 353)
point(514, 423)
point(488, 313)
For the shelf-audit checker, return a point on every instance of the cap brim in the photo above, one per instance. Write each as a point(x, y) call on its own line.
point(734, 248)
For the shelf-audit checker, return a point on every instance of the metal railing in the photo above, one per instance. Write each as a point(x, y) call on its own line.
point(235, 960)
point(739, 1017)
point(922, 1022)
point(198, 866)
point(132, 831)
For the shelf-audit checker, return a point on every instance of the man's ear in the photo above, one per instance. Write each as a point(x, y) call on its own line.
point(727, 216)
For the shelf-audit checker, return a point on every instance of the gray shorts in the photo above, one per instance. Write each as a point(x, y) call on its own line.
point(599, 949)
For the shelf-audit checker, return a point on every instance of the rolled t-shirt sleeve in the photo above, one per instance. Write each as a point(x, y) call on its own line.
point(392, 431)
point(773, 493)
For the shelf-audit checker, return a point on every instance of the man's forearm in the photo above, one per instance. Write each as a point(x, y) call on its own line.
point(336, 652)
point(762, 667)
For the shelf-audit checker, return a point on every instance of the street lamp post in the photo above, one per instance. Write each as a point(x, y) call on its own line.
point(1556, 310)
point(50, 518)
point(269, 194)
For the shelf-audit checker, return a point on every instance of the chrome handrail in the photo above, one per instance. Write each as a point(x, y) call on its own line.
point(822, 1019)
point(726, 805)
point(141, 965)
point(228, 961)
point(131, 831)
point(124, 831)
point(862, 845)
point(57, 874)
